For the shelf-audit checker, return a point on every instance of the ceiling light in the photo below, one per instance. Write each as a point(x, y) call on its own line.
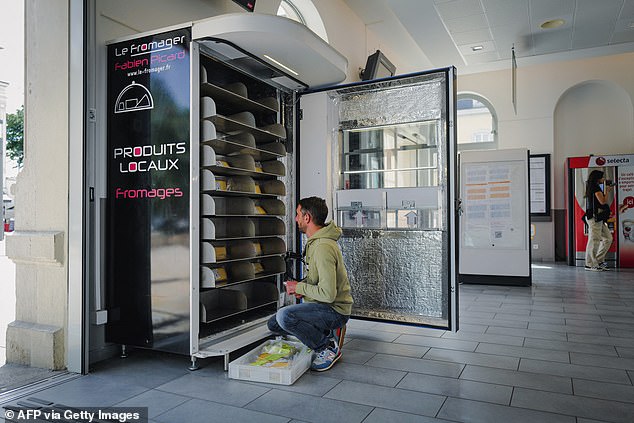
point(477, 48)
point(553, 23)
point(280, 64)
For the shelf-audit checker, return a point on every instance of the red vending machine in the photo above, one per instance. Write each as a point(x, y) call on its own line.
point(619, 169)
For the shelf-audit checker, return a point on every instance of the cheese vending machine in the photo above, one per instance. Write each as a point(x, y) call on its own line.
point(204, 172)
point(619, 172)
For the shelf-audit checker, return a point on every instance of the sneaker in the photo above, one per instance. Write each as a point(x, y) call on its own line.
point(594, 269)
point(339, 335)
point(325, 359)
point(604, 265)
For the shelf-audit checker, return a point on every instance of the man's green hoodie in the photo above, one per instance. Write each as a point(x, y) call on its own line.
point(327, 279)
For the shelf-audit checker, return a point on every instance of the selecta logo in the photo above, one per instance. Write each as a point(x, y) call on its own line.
point(611, 160)
point(154, 153)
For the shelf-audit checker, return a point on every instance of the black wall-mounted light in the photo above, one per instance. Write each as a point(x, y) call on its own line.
point(248, 5)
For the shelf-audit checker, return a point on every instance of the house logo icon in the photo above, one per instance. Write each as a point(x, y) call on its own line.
point(132, 98)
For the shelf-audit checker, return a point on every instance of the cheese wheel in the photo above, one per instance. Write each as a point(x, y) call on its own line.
point(220, 274)
point(221, 252)
point(258, 267)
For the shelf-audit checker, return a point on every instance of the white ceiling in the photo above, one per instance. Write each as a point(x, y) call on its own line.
point(438, 33)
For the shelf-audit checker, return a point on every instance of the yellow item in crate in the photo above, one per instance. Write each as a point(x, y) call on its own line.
point(222, 163)
point(258, 268)
point(259, 210)
point(220, 274)
point(258, 190)
point(258, 167)
point(221, 185)
point(258, 248)
point(221, 252)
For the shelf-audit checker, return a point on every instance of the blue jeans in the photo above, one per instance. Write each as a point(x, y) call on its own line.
point(311, 323)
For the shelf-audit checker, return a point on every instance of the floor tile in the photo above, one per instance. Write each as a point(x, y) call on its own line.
point(571, 346)
point(608, 391)
point(426, 341)
point(309, 408)
point(589, 330)
point(370, 335)
point(574, 371)
point(535, 353)
point(464, 357)
point(430, 367)
point(612, 411)
point(619, 319)
point(532, 318)
point(381, 415)
point(457, 388)
point(485, 337)
point(481, 412)
point(138, 368)
point(157, 402)
point(544, 382)
point(527, 333)
point(386, 347)
point(412, 330)
point(390, 398)
point(625, 352)
point(603, 340)
point(91, 391)
point(621, 333)
point(466, 327)
point(364, 374)
point(310, 383)
point(351, 355)
point(199, 411)
point(226, 391)
point(602, 361)
point(466, 314)
point(496, 322)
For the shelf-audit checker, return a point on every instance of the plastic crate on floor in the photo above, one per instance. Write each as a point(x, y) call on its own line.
point(242, 368)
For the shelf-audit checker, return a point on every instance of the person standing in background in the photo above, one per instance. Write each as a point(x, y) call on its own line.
point(597, 214)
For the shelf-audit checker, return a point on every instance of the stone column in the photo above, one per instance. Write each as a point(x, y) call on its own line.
point(39, 244)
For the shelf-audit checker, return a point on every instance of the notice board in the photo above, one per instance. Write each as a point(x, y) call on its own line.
point(494, 220)
point(540, 186)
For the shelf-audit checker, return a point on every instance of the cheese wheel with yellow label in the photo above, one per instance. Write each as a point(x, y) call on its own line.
point(221, 252)
point(221, 185)
point(220, 274)
point(258, 248)
point(259, 210)
point(258, 268)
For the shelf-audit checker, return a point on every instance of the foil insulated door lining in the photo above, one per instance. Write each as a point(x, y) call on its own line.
point(399, 271)
point(396, 275)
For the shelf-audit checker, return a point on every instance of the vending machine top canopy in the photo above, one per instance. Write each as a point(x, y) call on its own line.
point(297, 52)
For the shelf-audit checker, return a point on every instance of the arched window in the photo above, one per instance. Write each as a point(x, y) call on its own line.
point(304, 12)
point(477, 123)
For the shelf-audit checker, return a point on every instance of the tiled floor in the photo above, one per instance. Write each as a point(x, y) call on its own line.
point(559, 351)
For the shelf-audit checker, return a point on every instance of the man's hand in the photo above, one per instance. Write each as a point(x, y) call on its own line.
point(290, 286)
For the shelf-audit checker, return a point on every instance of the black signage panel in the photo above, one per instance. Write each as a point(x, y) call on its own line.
point(147, 219)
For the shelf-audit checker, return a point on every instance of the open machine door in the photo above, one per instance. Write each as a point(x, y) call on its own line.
point(388, 172)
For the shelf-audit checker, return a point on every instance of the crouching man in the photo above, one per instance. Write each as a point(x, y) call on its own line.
point(319, 321)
